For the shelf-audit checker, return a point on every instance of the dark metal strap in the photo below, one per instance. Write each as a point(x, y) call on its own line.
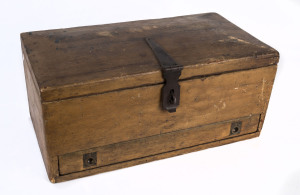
point(171, 73)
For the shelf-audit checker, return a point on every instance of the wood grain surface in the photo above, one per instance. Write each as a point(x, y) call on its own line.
point(153, 145)
point(93, 121)
point(147, 159)
point(98, 88)
point(95, 59)
point(37, 117)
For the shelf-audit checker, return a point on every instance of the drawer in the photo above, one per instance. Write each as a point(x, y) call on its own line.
point(154, 145)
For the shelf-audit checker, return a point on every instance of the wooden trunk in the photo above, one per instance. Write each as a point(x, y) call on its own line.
point(95, 92)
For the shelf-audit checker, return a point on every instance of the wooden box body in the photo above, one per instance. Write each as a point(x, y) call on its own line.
point(94, 92)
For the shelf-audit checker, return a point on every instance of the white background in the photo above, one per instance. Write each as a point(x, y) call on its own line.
point(266, 165)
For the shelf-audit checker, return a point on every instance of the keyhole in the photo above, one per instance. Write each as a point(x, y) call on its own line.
point(235, 130)
point(172, 98)
point(90, 161)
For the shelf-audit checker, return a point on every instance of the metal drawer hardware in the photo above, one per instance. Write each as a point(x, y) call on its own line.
point(235, 128)
point(171, 72)
point(89, 159)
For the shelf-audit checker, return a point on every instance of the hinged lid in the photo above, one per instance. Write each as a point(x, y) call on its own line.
point(73, 62)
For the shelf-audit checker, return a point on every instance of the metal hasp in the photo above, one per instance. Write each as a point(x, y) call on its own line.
point(171, 72)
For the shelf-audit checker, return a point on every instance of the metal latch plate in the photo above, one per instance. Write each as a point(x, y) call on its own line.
point(171, 72)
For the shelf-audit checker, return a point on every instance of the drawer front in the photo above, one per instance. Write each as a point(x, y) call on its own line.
point(154, 145)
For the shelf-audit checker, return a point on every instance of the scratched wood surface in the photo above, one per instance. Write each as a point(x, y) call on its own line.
point(36, 113)
point(99, 87)
point(147, 159)
point(98, 120)
point(67, 62)
point(158, 144)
